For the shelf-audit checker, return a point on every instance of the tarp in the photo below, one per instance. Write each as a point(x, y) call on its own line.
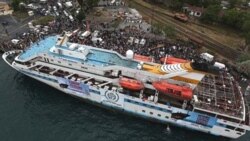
point(142, 58)
point(173, 60)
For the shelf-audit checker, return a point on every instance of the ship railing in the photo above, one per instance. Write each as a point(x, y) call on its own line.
point(103, 84)
point(247, 112)
point(87, 79)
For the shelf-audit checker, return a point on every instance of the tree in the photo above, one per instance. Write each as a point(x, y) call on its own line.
point(81, 15)
point(244, 67)
point(211, 14)
point(87, 4)
point(247, 39)
point(233, 18)
point(176, 4)
point(243, 57)
point(246, 26)
point(233, 3)
point(15, 4)
point(80, 3)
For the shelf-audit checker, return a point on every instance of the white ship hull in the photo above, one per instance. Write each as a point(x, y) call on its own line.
point(136, 106)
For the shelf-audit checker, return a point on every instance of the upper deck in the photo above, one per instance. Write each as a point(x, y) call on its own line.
point(53, 45)
point(42, 46)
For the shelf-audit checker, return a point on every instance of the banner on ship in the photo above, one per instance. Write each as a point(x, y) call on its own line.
point(74, 85)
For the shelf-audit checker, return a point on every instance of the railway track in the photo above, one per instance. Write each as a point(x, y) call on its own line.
point(182, 28)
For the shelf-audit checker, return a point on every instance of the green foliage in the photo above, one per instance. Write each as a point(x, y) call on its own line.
point(246, 26)
point(176, 4)
point(247, 38)
point(168, 30)
point(233, 18)
point(87, 4)
point(244, 57)
point(211, 14)
point(80, 2)
point(80, 16)
point(233, 3)
point(15, 4)
point(203, 3)
point(244, 67)
point(43, 20)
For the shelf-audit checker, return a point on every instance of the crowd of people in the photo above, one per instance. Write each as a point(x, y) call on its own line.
point(118, 40)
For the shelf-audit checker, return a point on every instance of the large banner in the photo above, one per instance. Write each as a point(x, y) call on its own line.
point(74, 85)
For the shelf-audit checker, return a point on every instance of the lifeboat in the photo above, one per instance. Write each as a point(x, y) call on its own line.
point(131, 84)
point(173, 60)
point(179, 92)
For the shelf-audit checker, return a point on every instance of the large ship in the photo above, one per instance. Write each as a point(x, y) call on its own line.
point(175, 93)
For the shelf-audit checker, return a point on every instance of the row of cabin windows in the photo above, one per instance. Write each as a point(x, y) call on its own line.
point(151, 113)
point(229, 131)
point(59, 62)
point(147, 105)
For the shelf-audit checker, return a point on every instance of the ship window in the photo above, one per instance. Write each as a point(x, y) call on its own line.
point(59, 61)
point(227, 130)
point(166, 117)
point(239, 133)
point(51, 60)
point(229, 119)
point(143, 111)
point(70, 64)
point(239, 129)
point(230, 127)
point(159, 115)
point(151, 113)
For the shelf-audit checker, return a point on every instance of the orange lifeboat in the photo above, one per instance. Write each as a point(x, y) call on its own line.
point(179, 92)
point(131, 84)
point(173, 60)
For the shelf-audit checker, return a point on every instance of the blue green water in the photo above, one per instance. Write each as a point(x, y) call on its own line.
point(32, 111)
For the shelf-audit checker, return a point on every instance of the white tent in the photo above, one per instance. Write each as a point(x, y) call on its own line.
point(94, 40)
point(219, 65)
point(207, 57)
point(68, 4)
point(14, 41)
point(142, 42)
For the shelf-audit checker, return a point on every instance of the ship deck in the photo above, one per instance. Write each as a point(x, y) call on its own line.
point(97, 57)
point(41, 46)
point(220, 95)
